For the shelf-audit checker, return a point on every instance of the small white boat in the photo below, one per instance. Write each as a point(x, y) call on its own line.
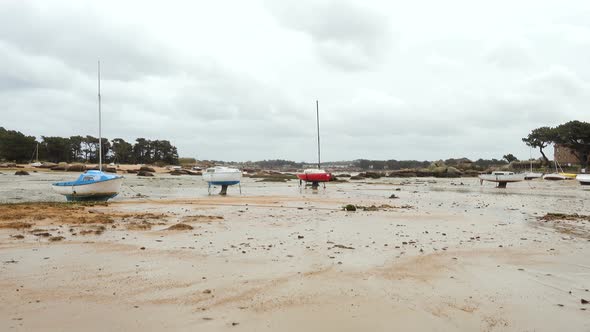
point(584, 179)
point(36, 163)
point(222, 176)
point(532, 175)
point(501, 178)
point(554, 177)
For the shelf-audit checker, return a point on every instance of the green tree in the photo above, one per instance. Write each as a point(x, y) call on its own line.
point(575, 135)
point(57, 148)
point(16, 146)
point(76, 147)
point(122, 151)
point(540, 138)
point(510, 158)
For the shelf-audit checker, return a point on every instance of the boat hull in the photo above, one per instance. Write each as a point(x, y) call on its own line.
point(531, 175)
point(314, 177)
point(584, 179)
point(554, 177)
point(221, 178)
point(502, 178)
point(95, 191)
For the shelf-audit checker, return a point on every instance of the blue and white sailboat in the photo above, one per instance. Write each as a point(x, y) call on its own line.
point(92, 185)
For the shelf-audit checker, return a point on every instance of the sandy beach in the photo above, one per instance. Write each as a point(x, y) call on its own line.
point(446, 255)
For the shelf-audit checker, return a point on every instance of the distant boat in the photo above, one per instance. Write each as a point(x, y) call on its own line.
point(501, 178)
point(556, 176)
point(313, 175)
point(584, 179)
point(530, 175)
point(36, 163)
point(93, 185)
point(222, 176)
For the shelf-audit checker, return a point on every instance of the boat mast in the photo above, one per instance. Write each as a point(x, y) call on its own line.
point(317, 108)
point(99, 124)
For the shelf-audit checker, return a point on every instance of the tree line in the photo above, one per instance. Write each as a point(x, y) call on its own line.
point(574, 135)
point(18, 147)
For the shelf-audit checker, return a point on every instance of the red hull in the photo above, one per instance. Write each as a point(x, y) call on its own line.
point(314, 177)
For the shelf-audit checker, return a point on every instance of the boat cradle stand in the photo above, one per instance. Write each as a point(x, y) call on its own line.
point(223, 191)
point(501, 184)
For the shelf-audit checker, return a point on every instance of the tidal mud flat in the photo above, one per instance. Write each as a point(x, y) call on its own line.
point(447, 254)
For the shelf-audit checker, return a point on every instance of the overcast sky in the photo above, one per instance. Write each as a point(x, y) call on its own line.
point(238, 80)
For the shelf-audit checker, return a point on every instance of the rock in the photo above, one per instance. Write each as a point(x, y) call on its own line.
point(207, 291)
point(76, 168)
point(179, 172)
point(583, 301)
point(60, 167)
point(142, 248)
point(7, 165)
point(56, 238)
point(393, 196)
point(144, 173)
point(147, 169)
point(132, 171)
point(21, 173)
point(453, 171)
point(111, 170)
point(300, 236)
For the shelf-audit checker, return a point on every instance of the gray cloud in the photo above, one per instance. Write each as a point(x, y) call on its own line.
point(345, 34)
point(393, 80)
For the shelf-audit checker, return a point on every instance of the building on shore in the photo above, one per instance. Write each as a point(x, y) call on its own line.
point(564, 155)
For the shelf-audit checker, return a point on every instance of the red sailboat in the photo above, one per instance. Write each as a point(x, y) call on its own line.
point(315, 176)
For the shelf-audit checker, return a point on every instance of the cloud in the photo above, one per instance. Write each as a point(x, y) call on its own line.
point(345, 34)
point(239, 80)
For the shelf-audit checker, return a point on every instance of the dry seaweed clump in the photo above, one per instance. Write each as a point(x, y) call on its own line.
point(201, 218)
point(56, 238)
point(180, 227)
point(139, 226)
point(15, 225)
point(564, 216)
point(349, 207)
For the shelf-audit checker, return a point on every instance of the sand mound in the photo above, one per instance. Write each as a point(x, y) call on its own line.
point(180, 227)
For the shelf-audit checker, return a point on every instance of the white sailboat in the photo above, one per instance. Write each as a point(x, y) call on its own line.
point(93, 185)
point(584, 179)
point(222, 176)
point(36, 163)
point(556, 176)
point(530, 174)
point(501, 178)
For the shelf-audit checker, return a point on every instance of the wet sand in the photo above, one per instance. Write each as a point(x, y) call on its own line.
point(448, 254)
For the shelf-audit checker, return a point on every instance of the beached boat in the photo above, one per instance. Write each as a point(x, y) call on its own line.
point(584, 179)
point(92, 185)
point(36, 153)
point(222, 176)
point(501, 178)
point(532, 175)
point(557, 176)
point(554, 177)
point(315, 176)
